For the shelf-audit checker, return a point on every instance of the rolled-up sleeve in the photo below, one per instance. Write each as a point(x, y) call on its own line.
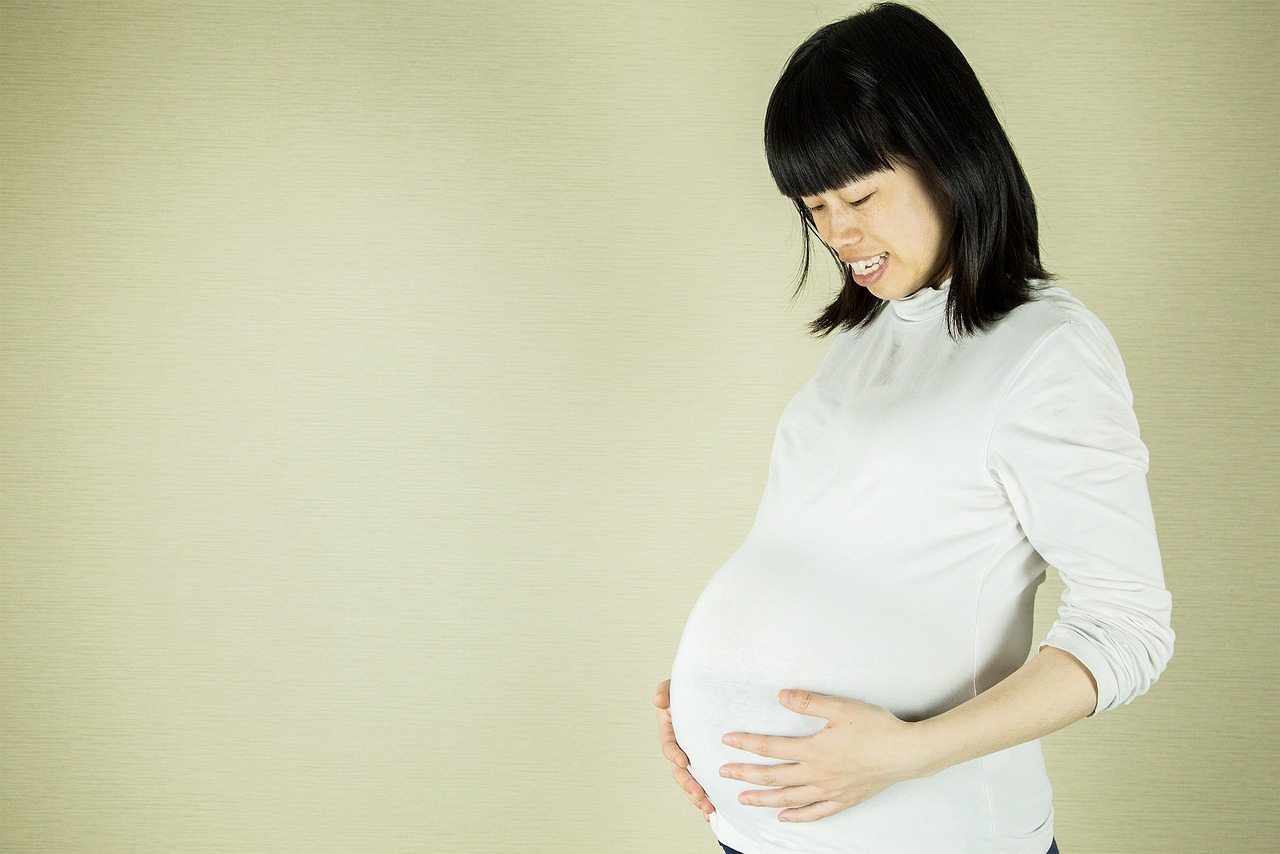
point(1067, 451)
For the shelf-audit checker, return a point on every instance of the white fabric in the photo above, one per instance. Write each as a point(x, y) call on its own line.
point(917, 490)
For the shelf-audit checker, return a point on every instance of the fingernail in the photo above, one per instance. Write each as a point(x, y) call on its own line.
point(724, 772)
point(728, 739)
point(785, 696)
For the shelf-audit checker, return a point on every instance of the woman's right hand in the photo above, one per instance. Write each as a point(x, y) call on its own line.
point(671, 750)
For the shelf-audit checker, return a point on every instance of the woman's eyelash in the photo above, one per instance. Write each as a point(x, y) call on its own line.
point(813, 208)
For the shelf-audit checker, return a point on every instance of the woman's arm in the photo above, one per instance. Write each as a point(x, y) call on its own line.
point(1051, 691)
point(1066, 450)
point(864, 749)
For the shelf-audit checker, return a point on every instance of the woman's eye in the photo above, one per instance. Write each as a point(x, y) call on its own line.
point(814, 208)
point(861, 200)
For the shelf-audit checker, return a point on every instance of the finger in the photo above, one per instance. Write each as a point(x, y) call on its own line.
point(788, 774)
point(693, 789)
point(662, 697)
point(814, 705)
point(667, 741)
point(784, 798)
point(686, 781)
point(768, 746)
point(675, 755)
point(812, 812)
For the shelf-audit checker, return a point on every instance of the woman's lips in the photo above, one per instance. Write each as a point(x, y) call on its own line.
point(870, 278)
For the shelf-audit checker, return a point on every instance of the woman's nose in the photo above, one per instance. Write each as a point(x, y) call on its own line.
point(844, 228)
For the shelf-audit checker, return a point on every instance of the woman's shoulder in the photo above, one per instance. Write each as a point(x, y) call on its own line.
point(1052, 305)
point(1056, 331)
point(1054, 312)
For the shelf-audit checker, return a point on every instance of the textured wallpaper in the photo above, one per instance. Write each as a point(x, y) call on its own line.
point(381, 383)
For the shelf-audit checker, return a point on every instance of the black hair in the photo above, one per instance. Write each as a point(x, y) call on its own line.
point(888, 86)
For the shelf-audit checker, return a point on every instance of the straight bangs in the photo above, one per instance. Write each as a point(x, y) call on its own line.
point(888, 86)
point(821, 131)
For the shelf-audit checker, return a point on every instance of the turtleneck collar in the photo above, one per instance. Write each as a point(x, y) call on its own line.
point(924, 304)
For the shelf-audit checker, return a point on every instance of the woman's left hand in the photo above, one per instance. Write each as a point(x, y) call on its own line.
point(862, 751)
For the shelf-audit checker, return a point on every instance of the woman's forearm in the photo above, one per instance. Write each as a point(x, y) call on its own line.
point(1050, 691)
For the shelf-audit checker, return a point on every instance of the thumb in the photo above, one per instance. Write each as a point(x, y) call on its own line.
point(662, 697)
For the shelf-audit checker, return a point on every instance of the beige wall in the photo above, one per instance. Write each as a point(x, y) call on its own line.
point(382, 382)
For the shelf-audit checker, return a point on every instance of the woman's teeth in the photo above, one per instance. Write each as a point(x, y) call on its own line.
point(861, 268)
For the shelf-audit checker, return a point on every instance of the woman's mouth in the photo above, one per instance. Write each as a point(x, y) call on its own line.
point(868, 265)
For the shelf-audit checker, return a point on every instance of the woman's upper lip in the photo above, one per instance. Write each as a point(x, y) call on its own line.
point(863, 258)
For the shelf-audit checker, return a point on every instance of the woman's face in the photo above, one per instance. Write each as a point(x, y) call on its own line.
point(887, 227)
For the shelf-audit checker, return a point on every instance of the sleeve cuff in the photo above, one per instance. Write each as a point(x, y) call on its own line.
point(1089, 656)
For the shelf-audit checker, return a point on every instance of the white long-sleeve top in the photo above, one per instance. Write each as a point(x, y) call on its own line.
point(917, 490)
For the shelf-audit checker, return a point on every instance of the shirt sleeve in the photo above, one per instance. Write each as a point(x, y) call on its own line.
point(1066, 449)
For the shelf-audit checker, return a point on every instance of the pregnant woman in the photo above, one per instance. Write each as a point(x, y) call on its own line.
point(855, 679)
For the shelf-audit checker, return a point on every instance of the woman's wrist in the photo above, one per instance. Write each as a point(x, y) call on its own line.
point(934, 750)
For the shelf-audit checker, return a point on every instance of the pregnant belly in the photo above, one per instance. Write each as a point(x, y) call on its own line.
point(748, 637)
point(763, 625)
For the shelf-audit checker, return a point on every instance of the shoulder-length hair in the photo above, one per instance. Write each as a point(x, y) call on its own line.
point(888, 86)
